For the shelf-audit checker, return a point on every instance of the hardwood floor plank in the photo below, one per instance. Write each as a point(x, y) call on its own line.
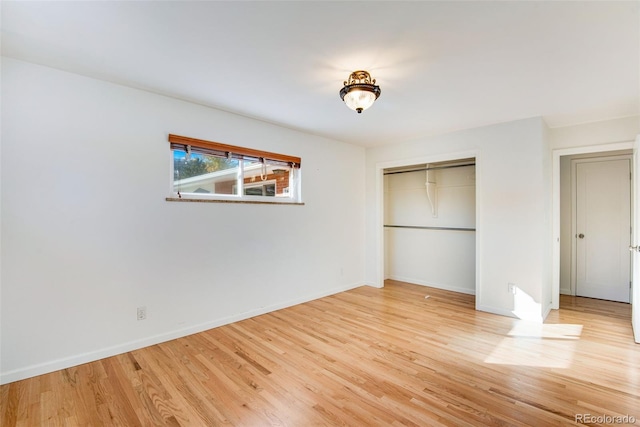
point(374, 357)
point(11, 401)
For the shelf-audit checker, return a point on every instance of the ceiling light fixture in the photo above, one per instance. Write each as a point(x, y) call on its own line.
point(360, 91)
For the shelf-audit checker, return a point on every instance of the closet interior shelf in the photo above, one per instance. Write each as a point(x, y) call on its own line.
point(422, 227)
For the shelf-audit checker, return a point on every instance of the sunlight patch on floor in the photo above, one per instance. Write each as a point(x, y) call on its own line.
point(535, 344)
point(564, 331)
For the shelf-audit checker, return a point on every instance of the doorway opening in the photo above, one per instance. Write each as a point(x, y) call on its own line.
point(429, 222)
point(592, 209)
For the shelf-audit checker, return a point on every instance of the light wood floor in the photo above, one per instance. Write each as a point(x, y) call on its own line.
point(367, 357)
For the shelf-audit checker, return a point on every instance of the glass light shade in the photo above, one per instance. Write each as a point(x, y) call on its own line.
point(359, 100)
point(360, 91)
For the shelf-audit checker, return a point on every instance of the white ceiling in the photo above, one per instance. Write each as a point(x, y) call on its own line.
point(442, 66)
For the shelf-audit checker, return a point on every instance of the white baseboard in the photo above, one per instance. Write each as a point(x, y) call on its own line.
point(91, 356)
point(546, 311)
point(495, 310)
point(537, 318)
point(373, 285)
point(434, 285)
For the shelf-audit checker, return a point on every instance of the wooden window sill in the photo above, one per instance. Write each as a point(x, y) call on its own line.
point(248, 202)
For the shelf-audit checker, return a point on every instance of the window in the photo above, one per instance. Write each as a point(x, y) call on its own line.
point(268, 189)
point(210, 170)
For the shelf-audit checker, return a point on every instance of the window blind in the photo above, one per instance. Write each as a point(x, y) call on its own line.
point(212, 148)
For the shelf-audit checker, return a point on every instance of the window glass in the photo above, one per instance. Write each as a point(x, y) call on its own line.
point(204, 174)
point(273, 180)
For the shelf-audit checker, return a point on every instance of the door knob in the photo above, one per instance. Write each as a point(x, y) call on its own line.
point(634, 248)
point(581, 236)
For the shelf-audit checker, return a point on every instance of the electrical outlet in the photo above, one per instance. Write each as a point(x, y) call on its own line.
point(512, 288)
point(142, 313)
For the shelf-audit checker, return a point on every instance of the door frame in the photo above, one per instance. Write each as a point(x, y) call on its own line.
point(574, 211)
point(635, 259)
point(556, 155)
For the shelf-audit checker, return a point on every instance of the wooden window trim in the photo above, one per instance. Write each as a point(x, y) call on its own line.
point(240, 151)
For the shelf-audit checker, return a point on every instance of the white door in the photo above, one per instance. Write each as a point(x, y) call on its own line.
point(603, 229)
point(635, 298)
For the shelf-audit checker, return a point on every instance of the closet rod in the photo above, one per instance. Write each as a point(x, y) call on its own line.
point(430, 228)
point(429, 169)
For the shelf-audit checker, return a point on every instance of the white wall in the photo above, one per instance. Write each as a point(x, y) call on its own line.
point(440, 258)
point(87, 235)
point(1, 59)
point(513, 199)
point(597, 133)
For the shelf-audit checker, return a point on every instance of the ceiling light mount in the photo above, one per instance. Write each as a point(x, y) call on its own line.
point(360, 91)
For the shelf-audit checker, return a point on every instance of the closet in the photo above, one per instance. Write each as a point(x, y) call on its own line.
point(429, 224)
